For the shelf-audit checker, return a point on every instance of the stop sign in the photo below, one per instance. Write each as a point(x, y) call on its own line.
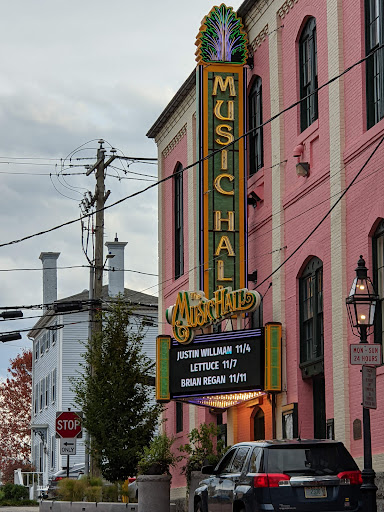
point(68, 424)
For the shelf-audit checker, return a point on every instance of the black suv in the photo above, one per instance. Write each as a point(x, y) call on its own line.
point(301, 475)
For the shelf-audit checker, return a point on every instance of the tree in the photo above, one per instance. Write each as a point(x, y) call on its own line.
point(112, 392)
point(15, 406)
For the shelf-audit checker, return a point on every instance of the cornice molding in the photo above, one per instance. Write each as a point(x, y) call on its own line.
point(176, 139)
point(286, 7)
point(260, 38)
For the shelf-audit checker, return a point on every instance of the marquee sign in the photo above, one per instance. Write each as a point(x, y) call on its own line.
point(225, 368)
point(222, 43)
point(227, 364)
point(194, 311)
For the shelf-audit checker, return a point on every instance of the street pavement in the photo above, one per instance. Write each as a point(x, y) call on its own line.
point(19, 509)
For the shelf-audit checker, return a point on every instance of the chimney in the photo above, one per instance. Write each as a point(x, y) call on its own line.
point(115, 258)
point(49, 260)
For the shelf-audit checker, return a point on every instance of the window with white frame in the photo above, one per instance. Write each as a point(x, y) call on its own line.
point(53, 451)
point(36, 399)
point(42, 394)
point(54, 334)
point(41, 456)
point(42, 345)
point(48, 340)
point(53, 381)
point(47, 379)
point(37, 349)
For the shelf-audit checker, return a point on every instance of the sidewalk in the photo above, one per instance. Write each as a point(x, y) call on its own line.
point(19, 509)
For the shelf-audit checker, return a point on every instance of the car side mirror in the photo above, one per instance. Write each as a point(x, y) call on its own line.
point(208, 470)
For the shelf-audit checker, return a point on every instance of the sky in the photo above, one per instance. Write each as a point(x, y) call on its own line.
point(71, 73)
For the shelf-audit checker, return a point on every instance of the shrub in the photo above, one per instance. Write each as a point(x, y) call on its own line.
point(65, 489)
point(79, 489)
point(16, 503)
point(202, 449)
point(15, 492)
point(94, 481)
point(110, 493)
point(158, 457)
point(94, 493)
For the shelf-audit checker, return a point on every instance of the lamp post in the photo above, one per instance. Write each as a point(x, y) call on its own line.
point(361, 304)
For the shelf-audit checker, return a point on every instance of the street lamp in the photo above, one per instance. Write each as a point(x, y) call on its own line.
point(361, 304)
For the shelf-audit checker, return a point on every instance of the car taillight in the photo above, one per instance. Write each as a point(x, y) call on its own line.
point(350, 478)
point(270, 479)
point(58, 478)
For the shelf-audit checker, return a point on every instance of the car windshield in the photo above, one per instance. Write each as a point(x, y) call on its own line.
point(319, 459)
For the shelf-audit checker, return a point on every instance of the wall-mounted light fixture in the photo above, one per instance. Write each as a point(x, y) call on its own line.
point(302, 168)
point(253, 199)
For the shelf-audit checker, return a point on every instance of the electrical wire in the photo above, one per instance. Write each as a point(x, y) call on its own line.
point(42, 173)
point(325, 216)
point(28, 237)
point(342, 193)
point(59, 326)
point(78, 266)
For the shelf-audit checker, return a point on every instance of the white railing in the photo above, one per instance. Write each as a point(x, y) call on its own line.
point(34, 480)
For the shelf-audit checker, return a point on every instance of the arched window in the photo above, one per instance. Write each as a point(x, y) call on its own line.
point(311, 313)
point(178, 221)
point(256, 157)
point(259, 425)
point(378, 280)
point(309, 111)
point(374, 38)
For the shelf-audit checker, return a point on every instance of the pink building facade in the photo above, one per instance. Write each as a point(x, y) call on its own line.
point(304, 268)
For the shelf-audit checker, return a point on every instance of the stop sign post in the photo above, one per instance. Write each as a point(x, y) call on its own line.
point(68, 424)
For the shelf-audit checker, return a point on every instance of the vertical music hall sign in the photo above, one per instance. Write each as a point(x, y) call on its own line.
point(221, 55)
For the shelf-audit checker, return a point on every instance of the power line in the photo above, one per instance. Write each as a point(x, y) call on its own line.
point(113, 269)
point(354, 182)
point(325, 216)
point(41, 173)
point(163, 180)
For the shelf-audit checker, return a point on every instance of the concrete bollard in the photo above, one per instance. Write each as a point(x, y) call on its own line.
point(196, 477)
point(154, 493)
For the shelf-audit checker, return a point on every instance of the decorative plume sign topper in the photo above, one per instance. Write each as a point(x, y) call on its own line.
point(222, 38)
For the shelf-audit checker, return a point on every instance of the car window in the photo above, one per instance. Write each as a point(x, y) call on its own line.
point(239, 459)
point(225, 463)
point(256, 462)
point(319, 459)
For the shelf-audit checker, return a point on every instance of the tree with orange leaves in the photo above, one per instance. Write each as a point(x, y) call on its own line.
point(15, 410)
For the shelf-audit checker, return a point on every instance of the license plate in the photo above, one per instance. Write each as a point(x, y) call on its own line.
point(315, 492)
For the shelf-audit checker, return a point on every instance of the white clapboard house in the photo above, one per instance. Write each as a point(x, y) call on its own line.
point(57, 356)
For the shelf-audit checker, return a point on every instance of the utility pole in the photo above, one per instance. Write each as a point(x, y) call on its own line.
point(96, 272)
point(99, 229)
point(100, 197)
